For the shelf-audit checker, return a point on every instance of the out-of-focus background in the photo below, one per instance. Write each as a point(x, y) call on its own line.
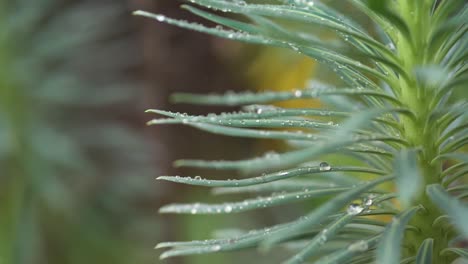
point(77, 163)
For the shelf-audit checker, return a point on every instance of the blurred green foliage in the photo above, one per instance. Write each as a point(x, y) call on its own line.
point(72, 171)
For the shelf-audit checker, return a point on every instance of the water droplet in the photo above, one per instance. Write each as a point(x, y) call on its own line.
point(323, 236)
point(298, 93)
point(228, 209)
point(160, 18)
point(271, 155)
point(324, 166)
point(369, 200)
point(359, 246)
point(354, 209)
point(216, 248)
point(295, 48)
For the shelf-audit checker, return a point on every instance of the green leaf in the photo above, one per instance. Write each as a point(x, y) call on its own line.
point(249, 239)
point(445, 9)
point(380, 7)
point(229, 34)
point(269, 123)
point(341, 138)
point(249, 204)
point(432, 76)
point(453, 207)
point(285, 186)
point(462, 252)
point(233, 99)
point(285, 39)
point(320, 15)
point(321, 238)
point(234, 24)
point(384, 24)
point(450, 43)
point(389, 248)
point(257, 133)
point(210, 246)
point(456, 144)
point(456, 175)
point(452, 132)
point(324, 210)
point(424, 255)
point(264, 178)
point(345, 254)
point(408, 176)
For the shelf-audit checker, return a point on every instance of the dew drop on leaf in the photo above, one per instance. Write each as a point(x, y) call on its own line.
point(354, 209)
point(216, 248)
point(228, 209)
point(359, 246)
point(160, 18)
point(324, 166)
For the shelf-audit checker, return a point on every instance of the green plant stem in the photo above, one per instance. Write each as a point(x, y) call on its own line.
point(419, 131)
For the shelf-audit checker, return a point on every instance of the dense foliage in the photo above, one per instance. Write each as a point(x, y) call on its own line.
point(395, 118)
point(64, 153)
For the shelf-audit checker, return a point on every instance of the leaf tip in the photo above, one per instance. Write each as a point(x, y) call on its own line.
point(164, 255)
point(151, 122)
point(178, 163)
point(139, 13)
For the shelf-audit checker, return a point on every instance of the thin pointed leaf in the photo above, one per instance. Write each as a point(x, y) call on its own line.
point(324, 210)
point(250, 204)
point(258, 112)
point(457, 156)
point(232, 99)
point(453, 207)
point(282, 186)
point(321, 238)
point(249, 239)
point(462, 252)
point(408, 176)
point(276, 176)
point(257, 133)
point(342, 138)
point(268, 162)
point(424, 255)
point(389, 248)
point(341, 256)
point(229, 34)
point(234, 24)
point(323, 17)
point(380, 7)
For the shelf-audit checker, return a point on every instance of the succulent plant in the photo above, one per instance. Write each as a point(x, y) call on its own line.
point(398, 116)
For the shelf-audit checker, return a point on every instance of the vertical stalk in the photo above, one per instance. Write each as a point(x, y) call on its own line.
point(413, 54)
